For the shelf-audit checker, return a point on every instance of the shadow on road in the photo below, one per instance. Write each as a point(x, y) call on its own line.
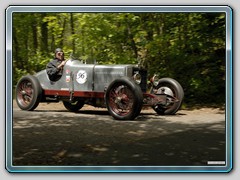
point(83, 142)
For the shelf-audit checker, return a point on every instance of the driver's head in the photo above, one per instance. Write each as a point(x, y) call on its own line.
point(59, 53)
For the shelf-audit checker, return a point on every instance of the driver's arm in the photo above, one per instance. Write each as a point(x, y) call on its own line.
point(52, 68)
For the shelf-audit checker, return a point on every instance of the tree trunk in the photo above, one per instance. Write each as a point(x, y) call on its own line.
point(44, 38)
point(34, 36)
point(72, 32)
point(62, 33)
point(16, 55)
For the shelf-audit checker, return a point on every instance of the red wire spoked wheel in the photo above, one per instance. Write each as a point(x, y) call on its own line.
point(25, 93)
point(121, 100)
point(28, 93)
point(124, 99)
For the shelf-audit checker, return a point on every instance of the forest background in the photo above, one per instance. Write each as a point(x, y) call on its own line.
point(189, 47)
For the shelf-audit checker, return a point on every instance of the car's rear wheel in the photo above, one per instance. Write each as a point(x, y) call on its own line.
point(28, 93)
point(124, 99)
point(73, 106)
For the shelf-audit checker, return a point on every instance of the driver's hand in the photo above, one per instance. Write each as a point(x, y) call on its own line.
point(62, 64)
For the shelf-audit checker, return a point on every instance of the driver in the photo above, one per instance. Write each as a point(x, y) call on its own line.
point(55, 67)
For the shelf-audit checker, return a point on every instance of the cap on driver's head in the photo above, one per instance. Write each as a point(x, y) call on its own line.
point(58, 50)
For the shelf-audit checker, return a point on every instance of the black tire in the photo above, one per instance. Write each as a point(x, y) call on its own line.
point(176, 90)
point(73, 106)
point(28, 93)
point(124, 99)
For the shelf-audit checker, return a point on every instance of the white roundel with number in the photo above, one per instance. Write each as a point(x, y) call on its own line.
point(81, 76)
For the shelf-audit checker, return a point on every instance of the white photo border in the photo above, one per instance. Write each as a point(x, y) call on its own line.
point(84, 9)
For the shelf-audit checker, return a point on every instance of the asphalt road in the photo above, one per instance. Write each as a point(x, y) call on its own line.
point(51, 136)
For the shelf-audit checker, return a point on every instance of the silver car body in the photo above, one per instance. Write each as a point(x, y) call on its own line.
point(78, 76)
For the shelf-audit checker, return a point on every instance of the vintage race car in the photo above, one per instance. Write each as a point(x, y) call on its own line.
point(122, 89)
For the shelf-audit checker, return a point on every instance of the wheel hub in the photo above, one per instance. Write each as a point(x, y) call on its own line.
point(23, 92)
point(165, 90)
point(118, 100)
point(121, 101)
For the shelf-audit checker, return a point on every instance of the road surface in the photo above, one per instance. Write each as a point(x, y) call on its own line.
point(51, 136)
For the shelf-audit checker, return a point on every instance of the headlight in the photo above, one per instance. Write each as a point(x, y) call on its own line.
point(155, 80)
point(137, 78)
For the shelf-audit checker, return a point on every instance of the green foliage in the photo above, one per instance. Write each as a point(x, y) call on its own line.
point(189, 47)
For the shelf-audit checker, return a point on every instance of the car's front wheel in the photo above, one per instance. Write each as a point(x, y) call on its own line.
point(124, 99)
point(174, 99)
